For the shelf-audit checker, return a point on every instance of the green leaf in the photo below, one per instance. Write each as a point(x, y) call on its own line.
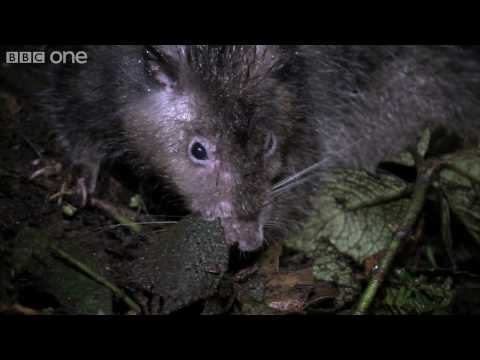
point(358, 214)
point(467, 165)
point(459, 183)
point(405, 158)
point(418, 294)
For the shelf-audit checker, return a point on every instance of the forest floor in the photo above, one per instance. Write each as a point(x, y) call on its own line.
point(117, 257)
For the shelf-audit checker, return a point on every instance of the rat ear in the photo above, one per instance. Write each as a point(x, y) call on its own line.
point(162, 64)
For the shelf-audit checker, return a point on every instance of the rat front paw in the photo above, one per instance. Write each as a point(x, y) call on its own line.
point(83, 182)
point(45, 168)
point(79, 186)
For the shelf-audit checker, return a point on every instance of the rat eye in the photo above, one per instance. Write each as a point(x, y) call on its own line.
point(198, 151)
point(270, 144)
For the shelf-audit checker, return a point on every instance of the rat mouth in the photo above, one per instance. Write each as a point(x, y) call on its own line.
point(247, 234)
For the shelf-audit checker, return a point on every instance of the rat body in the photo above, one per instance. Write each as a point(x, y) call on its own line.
point(245, 133)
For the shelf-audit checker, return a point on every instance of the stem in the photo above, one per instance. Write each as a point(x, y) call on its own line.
point(404, 230)
point(116, 215)
point(101, 280)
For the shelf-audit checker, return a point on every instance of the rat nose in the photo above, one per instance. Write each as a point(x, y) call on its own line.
point(247, 234)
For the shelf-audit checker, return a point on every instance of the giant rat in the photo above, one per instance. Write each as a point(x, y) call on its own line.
point(245, 133)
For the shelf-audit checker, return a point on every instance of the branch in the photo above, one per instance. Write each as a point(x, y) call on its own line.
point(424, 180)
point(101, 280)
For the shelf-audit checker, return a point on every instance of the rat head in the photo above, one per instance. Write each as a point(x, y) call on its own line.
point(215, 121)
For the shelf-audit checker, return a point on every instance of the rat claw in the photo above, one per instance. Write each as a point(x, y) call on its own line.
point(80, 196)
point(59, 195)
point(82, 189)
point(54, 168)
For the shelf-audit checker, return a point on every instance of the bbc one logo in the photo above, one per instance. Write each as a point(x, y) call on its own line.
point(41, 57)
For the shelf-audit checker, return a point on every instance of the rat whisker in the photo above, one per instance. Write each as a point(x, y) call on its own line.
point(280, 185)
point(309, 173)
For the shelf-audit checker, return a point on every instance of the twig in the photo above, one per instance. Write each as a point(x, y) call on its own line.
point(101, 280)
point(116, 215)
point(422, 185)
point(18, 309)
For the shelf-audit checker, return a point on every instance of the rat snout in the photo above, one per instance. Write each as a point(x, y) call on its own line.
point(247, 234)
